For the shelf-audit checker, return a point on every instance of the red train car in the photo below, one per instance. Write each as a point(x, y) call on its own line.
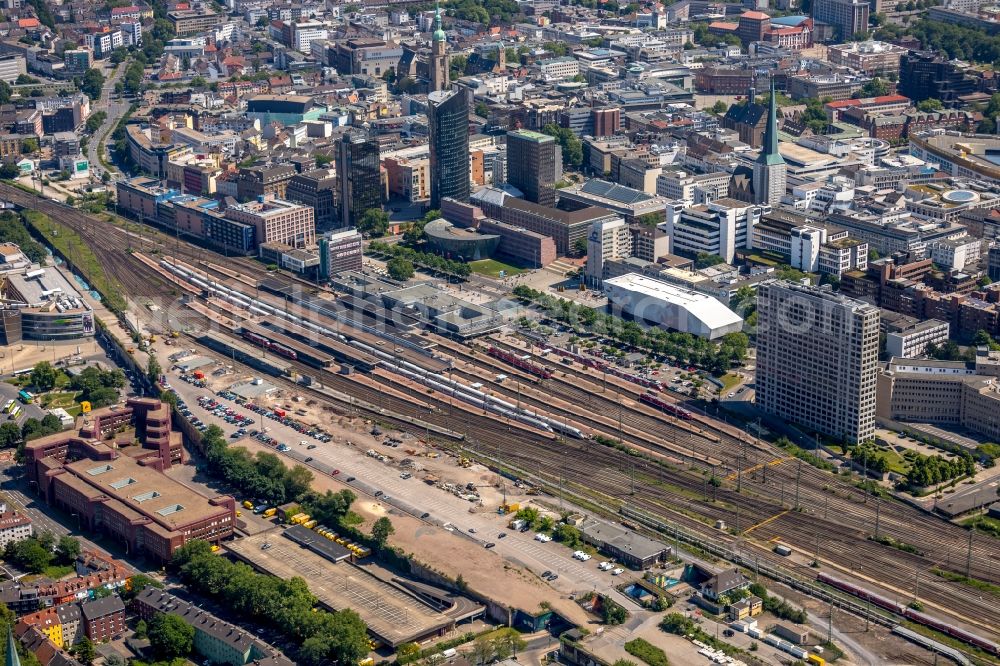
point(669, 407)
point(520, 362)
point(911, 614)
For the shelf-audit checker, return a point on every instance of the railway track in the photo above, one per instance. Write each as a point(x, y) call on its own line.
point(680, 496)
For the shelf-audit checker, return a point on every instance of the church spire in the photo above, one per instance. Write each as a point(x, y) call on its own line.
point(12, 657)
point(769, 151)
point(439, 35)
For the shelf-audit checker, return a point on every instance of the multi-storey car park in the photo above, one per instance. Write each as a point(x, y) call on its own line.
point(834, 519)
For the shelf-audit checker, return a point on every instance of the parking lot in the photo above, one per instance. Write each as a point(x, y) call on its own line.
point(349, 465)
point(389, 612)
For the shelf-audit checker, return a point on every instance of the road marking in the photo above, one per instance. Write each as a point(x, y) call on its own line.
point(765, 522)
point(770, 463)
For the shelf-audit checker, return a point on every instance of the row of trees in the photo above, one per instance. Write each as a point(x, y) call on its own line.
point(37, 553)
point(262, 476)
point(931, 470)
point(868, 456)
point(683, 347)
point(427, 260)
point(778, 607)
point(957, 41)
point(321, 637)
point(13, 230)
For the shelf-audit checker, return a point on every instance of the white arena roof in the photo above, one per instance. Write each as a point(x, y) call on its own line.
point(672, 307)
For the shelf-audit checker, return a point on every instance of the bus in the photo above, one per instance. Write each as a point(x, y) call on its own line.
point(16, 412)
point(23, 371)
point(25, 397)
point(8, 406)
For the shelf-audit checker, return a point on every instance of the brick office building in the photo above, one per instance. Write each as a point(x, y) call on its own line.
point(110, 474)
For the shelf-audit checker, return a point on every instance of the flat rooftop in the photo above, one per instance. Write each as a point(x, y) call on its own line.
point(392, 614)
point(146, 491)
point(622, 538)
point(39, 286)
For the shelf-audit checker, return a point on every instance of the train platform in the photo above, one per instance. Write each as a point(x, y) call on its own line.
point(284, 345)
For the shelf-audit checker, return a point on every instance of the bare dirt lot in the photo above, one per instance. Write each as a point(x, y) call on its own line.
point(452, 554)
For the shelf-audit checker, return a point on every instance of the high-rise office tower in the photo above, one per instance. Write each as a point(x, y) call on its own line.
point(769, 171)
point(849, 17)
point(359, 183)
point(817, 356)
point(440, 67)
point(448, 121)
point(532, 165)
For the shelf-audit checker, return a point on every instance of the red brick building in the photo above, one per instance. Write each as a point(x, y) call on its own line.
point(110, 474)
point(103, 619)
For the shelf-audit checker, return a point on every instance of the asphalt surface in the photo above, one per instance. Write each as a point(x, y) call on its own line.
point(417, 498)
point(115, 110)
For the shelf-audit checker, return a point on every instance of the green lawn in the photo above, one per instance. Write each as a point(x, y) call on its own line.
point(729, 381)
point(492, 268)
point(57, 571)
point(59, 399)
point(896, 462)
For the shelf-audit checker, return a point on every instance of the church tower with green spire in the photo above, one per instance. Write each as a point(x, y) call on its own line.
point(12, 657)
point(770, 170)
point(439, 56)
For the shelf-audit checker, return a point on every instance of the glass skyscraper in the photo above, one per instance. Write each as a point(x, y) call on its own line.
point(359, 181)
point(448, 117)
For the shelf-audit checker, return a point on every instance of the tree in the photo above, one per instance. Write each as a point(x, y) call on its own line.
point(482, 109)
point(877, 87)
point(141, 630)
point(137, 584)
point(613, 612)
point(381, 531)
point(580, 246)
point(982, 339)
point(374, 223)
point(29, 146)
point(348, 638)
point(93, 82)
point(68, 549)
point(929, 105)
point(567, 534)
point(719, 108)
point(400, 269)
point(170, 636)
point(572, 149)
point(43, 376)
point(153, 369)
point(10, 435)
point(30, 554)
point(84, 651)
point(704, 260)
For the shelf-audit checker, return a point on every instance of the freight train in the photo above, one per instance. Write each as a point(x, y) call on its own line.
point(668, 407)
point(279, 349)
point(520, 362)
point(910, 614)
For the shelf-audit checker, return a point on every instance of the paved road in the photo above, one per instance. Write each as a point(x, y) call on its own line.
point(115, 110)
point(44, 518)
point(416, 498)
